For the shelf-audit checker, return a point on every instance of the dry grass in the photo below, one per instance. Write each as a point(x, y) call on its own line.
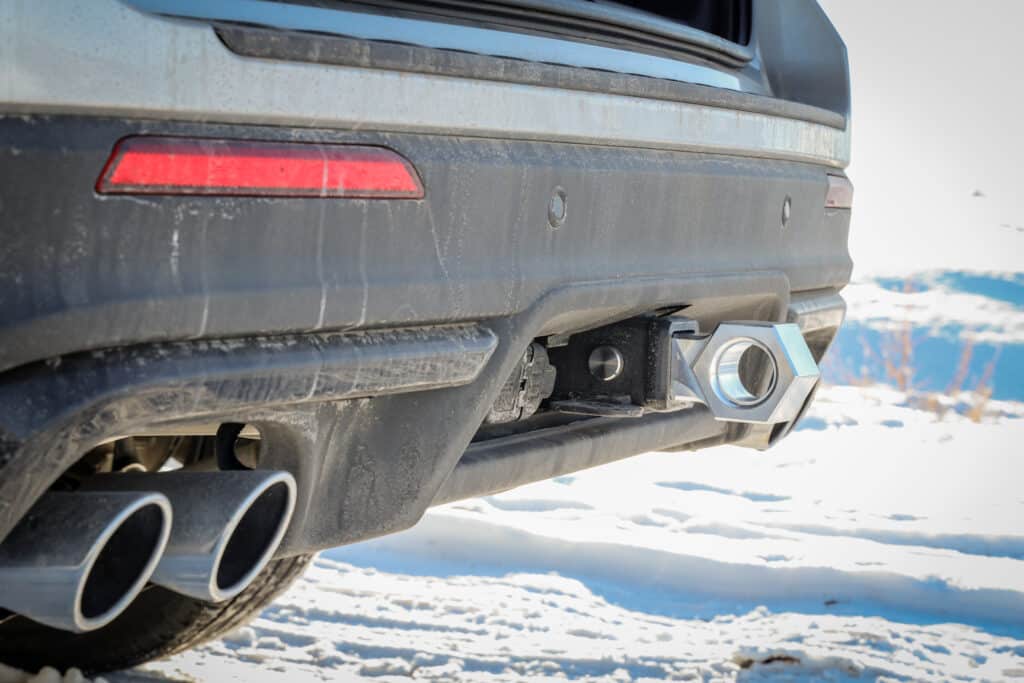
point(897, 357)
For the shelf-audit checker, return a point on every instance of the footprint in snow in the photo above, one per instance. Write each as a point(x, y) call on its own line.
point(775, 558)
point(898, 517)
point(704, 488)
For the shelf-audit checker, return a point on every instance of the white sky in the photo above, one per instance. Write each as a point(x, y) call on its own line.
point(938, 111)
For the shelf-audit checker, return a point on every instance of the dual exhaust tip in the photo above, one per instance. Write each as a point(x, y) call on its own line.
point(78, 559)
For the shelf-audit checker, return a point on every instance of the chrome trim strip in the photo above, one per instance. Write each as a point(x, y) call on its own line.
point(103, 57)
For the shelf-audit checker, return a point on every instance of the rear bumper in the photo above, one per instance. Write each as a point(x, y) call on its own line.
point(82, 271)
point(367, 339)
point(126, 315)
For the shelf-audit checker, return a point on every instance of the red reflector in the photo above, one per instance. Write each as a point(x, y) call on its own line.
point(839, 194)
point(184, 166)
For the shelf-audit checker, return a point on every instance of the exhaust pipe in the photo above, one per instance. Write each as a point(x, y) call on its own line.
point(77, 560)
point(227, 525)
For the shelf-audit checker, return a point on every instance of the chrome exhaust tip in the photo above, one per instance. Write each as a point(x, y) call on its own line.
point(227, 526)
point(78, 559)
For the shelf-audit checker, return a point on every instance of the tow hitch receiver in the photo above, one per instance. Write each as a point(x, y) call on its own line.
point(752, 372)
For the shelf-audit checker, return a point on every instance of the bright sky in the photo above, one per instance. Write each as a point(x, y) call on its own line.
point(938, 112)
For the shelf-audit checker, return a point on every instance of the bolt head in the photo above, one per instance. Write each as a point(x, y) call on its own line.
point(796, 372)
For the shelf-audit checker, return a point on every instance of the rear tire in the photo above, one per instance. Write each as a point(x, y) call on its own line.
point(159, 623)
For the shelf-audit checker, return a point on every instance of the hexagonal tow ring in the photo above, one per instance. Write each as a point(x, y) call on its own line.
point(755, 372)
